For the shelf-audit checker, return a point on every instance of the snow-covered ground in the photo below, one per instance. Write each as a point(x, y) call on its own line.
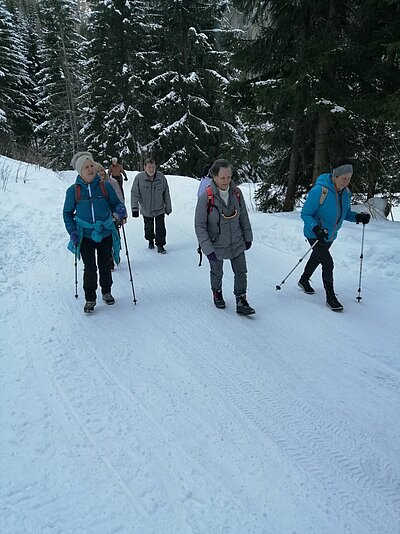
point(174, 417)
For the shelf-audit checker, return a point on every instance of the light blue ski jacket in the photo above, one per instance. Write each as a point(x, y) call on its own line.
point(331, 214)
point(92, 207)
point(92, 216)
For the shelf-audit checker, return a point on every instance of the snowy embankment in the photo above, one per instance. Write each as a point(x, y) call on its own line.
point(174, 417)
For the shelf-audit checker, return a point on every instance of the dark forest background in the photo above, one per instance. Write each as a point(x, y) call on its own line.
point(280, 88)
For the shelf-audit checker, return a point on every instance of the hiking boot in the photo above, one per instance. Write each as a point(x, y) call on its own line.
point(151, 244)
point(108, 298)
point(161, 249)
point(243, 307)
point(305, 285)
point(333, 303)
point(219, 299)
point(331, 300)
point(89, 306)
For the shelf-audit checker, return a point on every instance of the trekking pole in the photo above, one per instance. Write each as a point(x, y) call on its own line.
point(297, 264)
point(129, 265)
point(76, 273)
point(359, 298)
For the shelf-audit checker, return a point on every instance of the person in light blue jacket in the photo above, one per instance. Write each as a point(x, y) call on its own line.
point(88, 207)
point(326, 207)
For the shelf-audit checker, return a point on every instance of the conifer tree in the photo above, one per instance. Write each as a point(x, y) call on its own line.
point(305, 72)
point(60, 80)
point(119, 54)
point(190, 126)
point(16, 85)
point(25, 113)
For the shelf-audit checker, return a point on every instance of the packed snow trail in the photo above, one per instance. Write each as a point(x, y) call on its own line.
point(174, 417)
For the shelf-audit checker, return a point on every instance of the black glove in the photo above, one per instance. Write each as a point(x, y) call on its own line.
point(363, 218)
point(74, 236)
point(126, 179)
point(135, 213)
point(212, 257)
point(321, 233)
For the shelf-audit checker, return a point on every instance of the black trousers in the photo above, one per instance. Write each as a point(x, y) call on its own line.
point(160, 233)
point(88, 252)
point(120, 183)
point(320, 256)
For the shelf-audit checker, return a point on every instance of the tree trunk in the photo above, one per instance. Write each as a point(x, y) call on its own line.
point(288, 205)
point(322, 130)
point(69, 90)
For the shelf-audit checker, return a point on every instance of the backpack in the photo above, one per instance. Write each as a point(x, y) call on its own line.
point(210, 194)
point(324, 194)
point(210, 205)
point(78, 191)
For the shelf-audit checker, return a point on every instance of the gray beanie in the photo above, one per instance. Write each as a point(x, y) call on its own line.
point(78, 160)
point(343, 169)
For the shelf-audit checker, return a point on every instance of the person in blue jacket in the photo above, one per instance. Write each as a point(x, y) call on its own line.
point(88, 208)
point(326, 207)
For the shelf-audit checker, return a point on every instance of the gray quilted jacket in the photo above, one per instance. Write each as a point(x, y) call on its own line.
point(151, 197)
point(226, 229)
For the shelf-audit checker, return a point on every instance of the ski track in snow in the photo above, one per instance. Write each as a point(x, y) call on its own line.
point(174, 417)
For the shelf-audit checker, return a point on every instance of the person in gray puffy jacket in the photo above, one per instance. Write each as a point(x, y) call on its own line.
point(150, 195)
point(224, 232)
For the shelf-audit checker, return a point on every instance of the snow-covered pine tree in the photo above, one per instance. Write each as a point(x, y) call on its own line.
point(116, 96)
point(305, 71)
point(376, 52)
point(60, 81)
point(190, 125)
point(16, 84)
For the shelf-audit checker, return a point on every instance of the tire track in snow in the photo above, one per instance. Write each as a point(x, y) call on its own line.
point(314, 444)
point(58, 400)
point(157, 438)
point(317, 447)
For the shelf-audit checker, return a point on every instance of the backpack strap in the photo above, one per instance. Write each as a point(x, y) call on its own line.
point(200, 253)
point(210, 199)
point(324, 193)
point(236, 190)
point(78, 191)
point(104, 189)
point(210, 205)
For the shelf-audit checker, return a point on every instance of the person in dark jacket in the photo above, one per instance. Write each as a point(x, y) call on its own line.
point(101, 171)
point(326, 207)
point(224, 232)
point(150, 194)
point(88, 208)
point(116, 171)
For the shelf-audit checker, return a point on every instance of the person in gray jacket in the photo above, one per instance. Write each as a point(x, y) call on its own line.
point(150, 194)
point(224, 232)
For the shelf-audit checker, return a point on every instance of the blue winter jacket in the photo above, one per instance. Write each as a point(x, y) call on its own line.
point(331, 214)
point(93, 207)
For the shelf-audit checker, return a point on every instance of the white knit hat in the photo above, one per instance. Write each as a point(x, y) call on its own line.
point(78, 160)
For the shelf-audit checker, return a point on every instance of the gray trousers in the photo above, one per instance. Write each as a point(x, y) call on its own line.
point(239, 269)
